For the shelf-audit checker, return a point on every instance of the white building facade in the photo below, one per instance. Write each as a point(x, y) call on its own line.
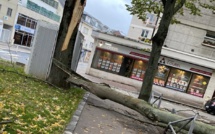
point(24, 17)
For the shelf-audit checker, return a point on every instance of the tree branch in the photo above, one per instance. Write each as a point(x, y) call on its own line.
point(179, 6)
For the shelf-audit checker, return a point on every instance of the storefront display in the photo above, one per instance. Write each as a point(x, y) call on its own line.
point(198, 85)
point(139, 69)
point(161, 75)
point(25, 29)
point(170, 73)
point(108, 61)
point(178, 79)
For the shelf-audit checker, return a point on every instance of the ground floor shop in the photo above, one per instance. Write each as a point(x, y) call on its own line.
point(24, 30)
point(127, 64)
point(23, 38)
point(171, 73)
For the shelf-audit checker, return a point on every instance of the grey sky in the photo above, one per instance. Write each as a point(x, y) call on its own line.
point(112, 13)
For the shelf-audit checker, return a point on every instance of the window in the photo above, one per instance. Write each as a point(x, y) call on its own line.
point(209, 39)
point(145, 33)
point(161, 75)
point(150, 17)
point(85, 30)
point(178, 79)
point(9, 12)
point(21, 20)
point(107, 61)
point(87, 19)
point(198, 85)
point(91, 45)
point(28, 23)
point(139, 69)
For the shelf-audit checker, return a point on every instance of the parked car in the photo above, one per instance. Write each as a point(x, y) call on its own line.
point(210, 106)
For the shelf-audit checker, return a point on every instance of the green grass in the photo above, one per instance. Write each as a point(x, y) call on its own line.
point(35, 106)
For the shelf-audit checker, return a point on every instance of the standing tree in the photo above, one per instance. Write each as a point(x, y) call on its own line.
point(65, 41)
point(168, 8)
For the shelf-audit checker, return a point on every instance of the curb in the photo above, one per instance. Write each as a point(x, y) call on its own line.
point(71, 126)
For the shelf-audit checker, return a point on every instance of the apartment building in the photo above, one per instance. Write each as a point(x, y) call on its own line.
point(8, 10)
point(29, 12)
point(193, 37)
point(20, 18)
point(143, 30)
point(87, 25)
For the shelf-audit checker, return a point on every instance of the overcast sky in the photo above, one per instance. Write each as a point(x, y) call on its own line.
point(112, 13)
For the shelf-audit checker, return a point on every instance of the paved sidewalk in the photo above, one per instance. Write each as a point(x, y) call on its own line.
point(14, 47)
point(106, 117)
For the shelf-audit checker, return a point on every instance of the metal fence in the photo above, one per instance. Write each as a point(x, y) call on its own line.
point(5, 36)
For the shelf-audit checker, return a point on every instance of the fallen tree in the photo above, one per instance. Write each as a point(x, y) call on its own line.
point(162, 118)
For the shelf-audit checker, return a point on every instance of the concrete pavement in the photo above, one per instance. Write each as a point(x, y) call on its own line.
point(104, 116)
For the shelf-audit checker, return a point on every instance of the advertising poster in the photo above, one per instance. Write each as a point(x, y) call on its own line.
point(198, 85)
point(178, 80)
point(161, 75)
point(139, 70)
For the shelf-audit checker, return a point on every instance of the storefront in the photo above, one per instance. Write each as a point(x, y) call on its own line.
point(25, 29)
point(178, 75)
point(171, 73)
point(182, 76)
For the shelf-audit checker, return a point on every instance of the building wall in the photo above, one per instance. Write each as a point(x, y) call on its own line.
point(36, 16)
point(88, 39)
point(136, 27)
point(189, 35)
point(5, 4)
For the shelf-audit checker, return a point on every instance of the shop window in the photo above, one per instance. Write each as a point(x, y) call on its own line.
point(18, 38)
point(178, 79)
point(107, 61)
point(198, 85)
point(139, 69)
point(161, 75)
point(9, 12)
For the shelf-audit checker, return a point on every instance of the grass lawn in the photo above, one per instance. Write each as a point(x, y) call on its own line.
point(35, 106)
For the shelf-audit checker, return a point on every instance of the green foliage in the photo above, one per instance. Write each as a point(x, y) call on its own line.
point(33, 106)
point(141, 7)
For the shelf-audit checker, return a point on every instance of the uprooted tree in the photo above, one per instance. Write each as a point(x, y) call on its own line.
point(167, 9)
point(61, 76)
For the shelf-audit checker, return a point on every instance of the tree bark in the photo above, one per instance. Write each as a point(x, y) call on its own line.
point(157, 43)
point(141, 106)
point(65, 41)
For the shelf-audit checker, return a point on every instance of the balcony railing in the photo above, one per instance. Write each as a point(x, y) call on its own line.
point(209, 41)
point(36, 8)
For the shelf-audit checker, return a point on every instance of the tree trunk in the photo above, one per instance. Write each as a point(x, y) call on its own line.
point(157, 43)
point(156, 115)
point(66, 41)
